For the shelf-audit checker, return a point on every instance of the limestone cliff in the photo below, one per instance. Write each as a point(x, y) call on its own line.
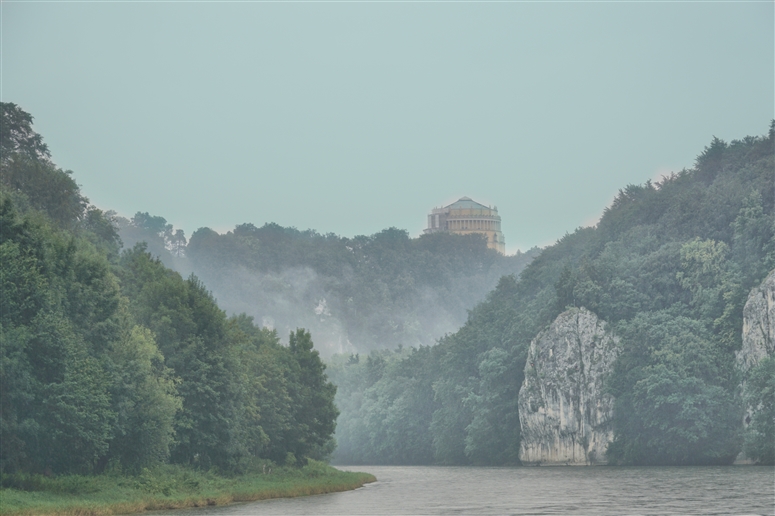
point(758, 325)
point(564, 415)
point(758, 338)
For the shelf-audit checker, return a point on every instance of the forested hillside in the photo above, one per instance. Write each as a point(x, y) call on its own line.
point(669, 266)
point(354, 294)
point(111, 360)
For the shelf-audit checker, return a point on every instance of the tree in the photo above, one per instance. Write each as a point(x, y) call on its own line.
point(493, 435)
point(313, 397)
point(145, 398)
point(58, 314)
point(710, 163)
point(177, 243)
point(191, 333)
point(673, 390)
point(704, 266)
point(28, 174)
point(42, 186)
point(670, 418)
point(154, 225)
point(17, 136)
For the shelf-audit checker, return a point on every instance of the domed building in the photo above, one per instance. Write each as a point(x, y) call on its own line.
point(466, 216)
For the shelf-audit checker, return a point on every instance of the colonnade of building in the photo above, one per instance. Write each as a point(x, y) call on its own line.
point(466, 216)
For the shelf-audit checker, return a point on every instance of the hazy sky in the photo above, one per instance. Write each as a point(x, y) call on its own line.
point(354, 117)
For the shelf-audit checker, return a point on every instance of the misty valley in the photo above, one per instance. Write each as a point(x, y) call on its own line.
point(166, 365)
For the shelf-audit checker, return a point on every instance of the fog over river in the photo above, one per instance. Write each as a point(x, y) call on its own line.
point(534, 490)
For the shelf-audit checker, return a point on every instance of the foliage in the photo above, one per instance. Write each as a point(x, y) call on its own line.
point(146, 400)
point(387, 403)
point(673, 418)
point(312, 397)
point(17, 136)
point(58, 313)
point(159, 238)
point(44, 187)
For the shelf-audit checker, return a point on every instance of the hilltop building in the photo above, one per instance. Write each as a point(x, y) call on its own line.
point(466, 216)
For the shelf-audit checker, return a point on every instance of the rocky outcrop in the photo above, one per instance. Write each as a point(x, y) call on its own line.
point(758, 341)
point(758, 326)
point(563, 412)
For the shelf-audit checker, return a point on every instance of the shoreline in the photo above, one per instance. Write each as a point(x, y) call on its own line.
point(107, 496)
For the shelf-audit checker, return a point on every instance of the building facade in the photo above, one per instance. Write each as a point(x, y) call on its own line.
point(466, 216)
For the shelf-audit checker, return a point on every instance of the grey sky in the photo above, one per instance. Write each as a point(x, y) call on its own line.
point(353, 117)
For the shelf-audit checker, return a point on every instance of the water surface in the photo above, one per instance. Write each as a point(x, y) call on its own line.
point(421, 490)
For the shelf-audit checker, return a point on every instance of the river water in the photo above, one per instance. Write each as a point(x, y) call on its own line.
point(533, 490)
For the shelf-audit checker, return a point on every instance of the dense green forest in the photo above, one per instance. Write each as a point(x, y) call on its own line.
point(354, 294)
point(111, 360)
point(669, 266)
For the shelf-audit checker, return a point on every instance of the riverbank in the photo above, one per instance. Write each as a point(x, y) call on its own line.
point(166, 487)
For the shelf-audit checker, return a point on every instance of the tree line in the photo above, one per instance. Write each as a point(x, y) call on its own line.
point(110, 359)
point(669, 266)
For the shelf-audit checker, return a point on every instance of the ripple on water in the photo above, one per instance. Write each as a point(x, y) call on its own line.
point(421, 490)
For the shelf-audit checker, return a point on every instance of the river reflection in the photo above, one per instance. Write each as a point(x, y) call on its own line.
point(539, 491)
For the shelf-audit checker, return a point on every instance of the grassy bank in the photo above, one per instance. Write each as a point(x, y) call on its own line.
point(165, 487)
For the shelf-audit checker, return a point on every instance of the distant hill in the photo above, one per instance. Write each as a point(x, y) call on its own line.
point(355, 294)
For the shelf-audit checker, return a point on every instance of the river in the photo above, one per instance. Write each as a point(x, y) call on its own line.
point(423, 490)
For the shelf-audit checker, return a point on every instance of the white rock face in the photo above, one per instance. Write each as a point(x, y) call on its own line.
point(758, 325)
point(758, 336)
point(564, 415)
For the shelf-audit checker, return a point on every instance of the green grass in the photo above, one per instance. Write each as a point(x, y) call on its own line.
point(165, 487)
